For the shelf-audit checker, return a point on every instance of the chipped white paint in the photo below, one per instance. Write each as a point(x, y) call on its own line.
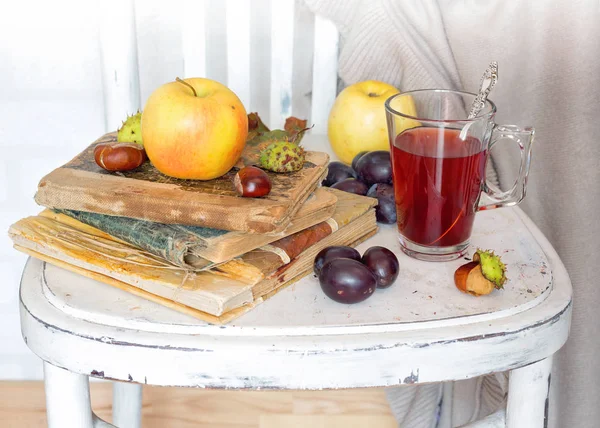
point(325, 61)
point(210, 357)
point(118, 49)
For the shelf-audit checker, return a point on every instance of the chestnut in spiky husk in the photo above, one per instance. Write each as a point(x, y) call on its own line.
point(282, 156)
point(131, 130)
point(481, 276)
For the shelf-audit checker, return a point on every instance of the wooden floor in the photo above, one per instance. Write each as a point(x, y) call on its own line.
point(22, 406)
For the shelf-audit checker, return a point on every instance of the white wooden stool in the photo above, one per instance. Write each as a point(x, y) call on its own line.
point(420, 330)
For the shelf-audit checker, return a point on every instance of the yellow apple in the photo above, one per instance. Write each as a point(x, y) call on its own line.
point(194, 128)
point(357, 119)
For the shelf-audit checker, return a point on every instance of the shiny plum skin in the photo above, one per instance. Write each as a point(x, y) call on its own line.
point(356, 158)
point(386, 203)
point(352, 185)
point(347, 281)
point(375, 167)
point(384, 265)
point(334, 252)
point(337, 172)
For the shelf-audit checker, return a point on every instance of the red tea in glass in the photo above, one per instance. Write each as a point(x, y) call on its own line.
point(437, 186)
point(439, 156)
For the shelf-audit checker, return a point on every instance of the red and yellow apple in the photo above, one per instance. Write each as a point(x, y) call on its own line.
point(357, 119)
point(194, 128)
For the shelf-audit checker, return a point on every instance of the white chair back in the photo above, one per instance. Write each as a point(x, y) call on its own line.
point(275, 55)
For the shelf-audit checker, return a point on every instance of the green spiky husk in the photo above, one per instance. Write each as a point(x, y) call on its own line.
point(492, 267)
point(131, 130)
point(282, 156)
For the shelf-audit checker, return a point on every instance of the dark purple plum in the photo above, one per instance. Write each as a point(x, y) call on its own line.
point(375, 167)
point(352, 185)
point(334, 252)
point(347, 281)
point(384, 265)
point(386, 204)
point(356, 158)
point(337, 172)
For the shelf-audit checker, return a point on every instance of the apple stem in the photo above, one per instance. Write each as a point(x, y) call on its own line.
point(187, 84)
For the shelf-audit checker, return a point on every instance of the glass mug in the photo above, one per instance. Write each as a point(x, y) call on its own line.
point(439, 160)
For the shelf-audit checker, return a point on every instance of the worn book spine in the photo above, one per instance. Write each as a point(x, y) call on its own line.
point(169, 241)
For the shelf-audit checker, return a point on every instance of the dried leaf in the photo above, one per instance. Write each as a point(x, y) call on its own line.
point(256, 124)
point(293, 126)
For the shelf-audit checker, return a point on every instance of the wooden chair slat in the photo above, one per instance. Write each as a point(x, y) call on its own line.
point(260, 57)
point(325, 65)
point(193, 39)
point(238, 49)
point(216, 40)
point(118, 50)
point(282, 43)
point(302, 75)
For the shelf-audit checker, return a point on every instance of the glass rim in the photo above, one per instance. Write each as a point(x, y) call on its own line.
point(488, 114)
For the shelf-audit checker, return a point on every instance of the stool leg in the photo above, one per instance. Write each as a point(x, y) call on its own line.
point(446, 410)
point(127, 404)
point(67, 398)
point(528, 390)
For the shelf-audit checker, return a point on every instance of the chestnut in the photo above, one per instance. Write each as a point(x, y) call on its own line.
point(482, 275)
point(119, 156)
point(469, 279)
point(252, 182)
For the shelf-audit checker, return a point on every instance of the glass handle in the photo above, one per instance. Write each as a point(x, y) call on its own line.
point(524, 139)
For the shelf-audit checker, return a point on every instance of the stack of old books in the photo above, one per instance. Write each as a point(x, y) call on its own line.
point(193, 246)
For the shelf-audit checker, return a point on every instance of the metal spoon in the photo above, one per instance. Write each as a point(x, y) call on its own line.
point(488, 81)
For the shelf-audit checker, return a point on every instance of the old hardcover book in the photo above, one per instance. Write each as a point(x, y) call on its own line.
point(211, 294)
point(283, 282)
point(197, 247)
point(146, 194)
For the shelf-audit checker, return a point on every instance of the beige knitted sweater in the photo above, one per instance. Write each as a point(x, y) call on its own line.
point(549, 77)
